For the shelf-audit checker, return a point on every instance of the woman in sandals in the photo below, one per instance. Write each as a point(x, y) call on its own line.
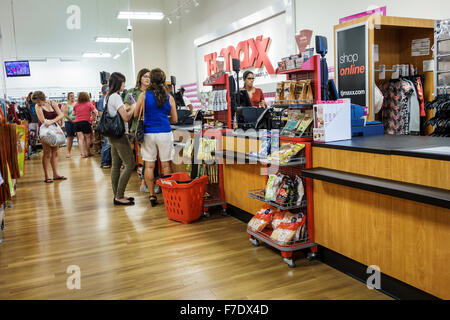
point(48, 114)
point(83, 122)
point(158, 140)
point(121, 152)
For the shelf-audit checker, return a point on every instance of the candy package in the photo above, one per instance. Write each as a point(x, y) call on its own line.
point(273, 183)
point(262, 218)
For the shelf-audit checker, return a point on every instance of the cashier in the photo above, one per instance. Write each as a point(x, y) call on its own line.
point(255, 94)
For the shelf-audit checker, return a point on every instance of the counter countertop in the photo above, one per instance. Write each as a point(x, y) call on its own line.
point(411, 146)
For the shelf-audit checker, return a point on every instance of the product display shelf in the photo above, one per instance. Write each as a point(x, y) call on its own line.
point(310, 70)
point(224, 116)
point(215, 191)
point(307, 105)
point(306, 207)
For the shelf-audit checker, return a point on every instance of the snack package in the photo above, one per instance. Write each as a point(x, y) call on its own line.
point(301, 231)
point(285, 232)
point(273, 183)
point(292, 91)
point(306, 122)
point(262, 218)
point(188, 149)
point(287, 152)
point(300, 190)
point(285, 191)
point(277, 218)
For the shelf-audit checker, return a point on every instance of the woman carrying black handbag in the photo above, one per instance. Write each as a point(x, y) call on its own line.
point(112, 125)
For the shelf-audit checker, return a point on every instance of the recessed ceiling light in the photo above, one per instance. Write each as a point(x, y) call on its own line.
point(140, 15)
point(113, 40)
point(96, 55)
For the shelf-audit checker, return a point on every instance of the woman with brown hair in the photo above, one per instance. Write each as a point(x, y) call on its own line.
point(83, 111)
point(48, 114)
point(158, 139)
point(70, 122)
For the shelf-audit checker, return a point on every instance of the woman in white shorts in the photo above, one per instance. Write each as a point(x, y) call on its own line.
point(158, 139)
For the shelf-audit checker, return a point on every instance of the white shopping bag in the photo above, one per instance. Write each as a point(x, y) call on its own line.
point(52, 135)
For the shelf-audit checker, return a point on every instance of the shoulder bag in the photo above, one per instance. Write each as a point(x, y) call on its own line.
point(111, 126)
point(140, 129)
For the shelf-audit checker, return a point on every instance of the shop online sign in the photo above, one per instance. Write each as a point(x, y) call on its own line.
point(254, 51)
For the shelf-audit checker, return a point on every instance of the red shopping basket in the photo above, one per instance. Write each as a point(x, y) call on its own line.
point(183, 201)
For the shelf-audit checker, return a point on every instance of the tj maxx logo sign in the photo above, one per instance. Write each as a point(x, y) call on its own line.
point(255, 54)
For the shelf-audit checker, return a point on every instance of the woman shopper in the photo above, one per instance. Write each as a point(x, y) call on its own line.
point(70, 122)
point(121, 152)
point(48, 114)
point(83, 111)
point(158, 137)
point(142, 84)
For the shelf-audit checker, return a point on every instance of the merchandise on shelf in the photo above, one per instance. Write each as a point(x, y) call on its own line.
point(287, 229)
point(295, 117)
point(262, 218)
point(284, 190)
point(286, 153)
point(295, 61)
point(294, 92)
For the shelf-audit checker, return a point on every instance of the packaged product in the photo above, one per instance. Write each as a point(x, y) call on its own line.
point(299, 90)
point(301, 231)
point(285, 191)
point(188, 149)
point(286, 91)
point(280, 92)
point(264, 148)
point(292, 91)
point(285, 232)
point(286, 153)
point(306, 123)
point(300, 190)
point(273, 183)
point(277, 218)
point(262, 218)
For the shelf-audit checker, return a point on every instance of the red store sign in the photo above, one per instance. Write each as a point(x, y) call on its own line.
point(257, 57)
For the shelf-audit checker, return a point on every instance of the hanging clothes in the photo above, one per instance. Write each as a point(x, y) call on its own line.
point(396, 106)
point(414, 109)
point(419, 87)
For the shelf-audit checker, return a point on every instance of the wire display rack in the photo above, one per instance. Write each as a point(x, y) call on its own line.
point(259, 195)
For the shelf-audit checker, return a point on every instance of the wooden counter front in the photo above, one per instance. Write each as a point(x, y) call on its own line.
point(408, 240)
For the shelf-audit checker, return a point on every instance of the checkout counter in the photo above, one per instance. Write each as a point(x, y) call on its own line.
point(378, 200)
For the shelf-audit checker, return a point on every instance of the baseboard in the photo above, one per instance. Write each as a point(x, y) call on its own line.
point(390, 286)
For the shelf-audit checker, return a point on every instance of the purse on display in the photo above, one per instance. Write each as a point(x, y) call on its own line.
point(111, 126)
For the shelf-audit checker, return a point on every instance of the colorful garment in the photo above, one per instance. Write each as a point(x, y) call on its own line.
point(395, 109)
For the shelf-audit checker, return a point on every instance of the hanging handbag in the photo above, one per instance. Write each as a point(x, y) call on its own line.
point(111, 126)
point(140, 129)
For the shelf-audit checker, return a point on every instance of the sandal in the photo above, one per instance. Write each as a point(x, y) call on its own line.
point(48, 181)
point(60, 178)
point(153, 200)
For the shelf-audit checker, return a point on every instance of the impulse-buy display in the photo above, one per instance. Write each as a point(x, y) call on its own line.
point(294, 92)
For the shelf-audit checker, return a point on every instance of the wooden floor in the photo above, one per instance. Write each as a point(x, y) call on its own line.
point(137, 253)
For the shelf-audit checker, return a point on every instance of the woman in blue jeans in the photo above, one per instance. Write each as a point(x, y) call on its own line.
point(158, 139)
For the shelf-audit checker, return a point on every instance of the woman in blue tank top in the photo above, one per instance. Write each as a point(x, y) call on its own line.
point(158, 106)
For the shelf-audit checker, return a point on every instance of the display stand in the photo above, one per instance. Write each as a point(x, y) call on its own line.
point(223, 116)
point(291, 169)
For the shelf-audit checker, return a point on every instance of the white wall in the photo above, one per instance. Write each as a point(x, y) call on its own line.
point(149, 37)
point(36, 30)
point(210, 16)
point(322, 15)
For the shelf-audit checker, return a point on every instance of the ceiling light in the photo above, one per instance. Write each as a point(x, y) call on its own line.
point(168, 20)
point(113, 40)
point(140, 15)
point(96, 55)
point(124, 50)
point(196, 4)
point(116, 56)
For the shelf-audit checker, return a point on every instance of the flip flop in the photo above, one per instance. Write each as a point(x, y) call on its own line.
point(60, 178)
point(48, 181)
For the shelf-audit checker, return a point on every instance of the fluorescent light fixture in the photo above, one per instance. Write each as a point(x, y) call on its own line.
point(96, 55)
point(124, 50)
point(140, 15)
point(113, 40)
point(116, 56)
